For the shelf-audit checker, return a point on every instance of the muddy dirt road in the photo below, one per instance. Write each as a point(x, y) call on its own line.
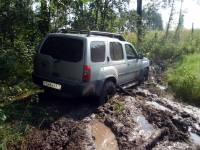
point(149, 119)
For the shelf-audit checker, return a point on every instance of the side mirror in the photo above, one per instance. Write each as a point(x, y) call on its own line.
point(140, 56)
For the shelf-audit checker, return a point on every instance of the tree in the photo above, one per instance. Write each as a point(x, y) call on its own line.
point(180, 22)
point(152, 19)
point(139, 20)
point(172, 5)
point(98, 15)
point(44, 18)
point(151, 16)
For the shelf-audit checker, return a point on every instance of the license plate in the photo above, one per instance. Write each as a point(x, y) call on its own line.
point(52, 85)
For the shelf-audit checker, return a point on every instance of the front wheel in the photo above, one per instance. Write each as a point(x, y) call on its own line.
point(108, 91)
point(144, 75)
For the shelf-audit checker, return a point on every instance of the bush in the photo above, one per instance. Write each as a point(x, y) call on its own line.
point(184, 79)
point(15, 68)
point(166, 51)
point(16, 62)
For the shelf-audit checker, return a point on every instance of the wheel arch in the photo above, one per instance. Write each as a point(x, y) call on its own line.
point(111, 78)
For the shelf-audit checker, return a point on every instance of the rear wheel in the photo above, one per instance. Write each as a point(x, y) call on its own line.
point(108, 91)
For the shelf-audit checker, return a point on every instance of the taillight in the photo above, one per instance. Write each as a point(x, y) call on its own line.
point(86, 73)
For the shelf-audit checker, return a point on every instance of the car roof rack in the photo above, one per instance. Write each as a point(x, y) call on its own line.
point(107, 34)
point(97, 33)
point(73, 31)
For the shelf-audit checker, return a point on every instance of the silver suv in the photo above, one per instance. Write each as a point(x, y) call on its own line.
point(87, 63)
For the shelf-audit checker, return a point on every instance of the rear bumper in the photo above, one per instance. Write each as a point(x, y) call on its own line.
point(70, 89)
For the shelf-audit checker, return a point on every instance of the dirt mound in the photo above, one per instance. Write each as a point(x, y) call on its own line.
point(62, 134)
point(176, 130)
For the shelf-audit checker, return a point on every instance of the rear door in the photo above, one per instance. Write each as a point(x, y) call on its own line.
point(132, 61)
point(61, 58)
point(97, 58)
point(118, 61)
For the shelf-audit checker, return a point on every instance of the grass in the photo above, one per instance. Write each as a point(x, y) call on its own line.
point(184, 78)
point(17, 107)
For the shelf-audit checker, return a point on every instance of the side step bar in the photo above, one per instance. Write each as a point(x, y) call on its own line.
point(131, 84)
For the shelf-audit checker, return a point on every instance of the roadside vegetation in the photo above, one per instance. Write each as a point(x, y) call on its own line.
point(184, 78)
point(179, 58)
point(23, 25)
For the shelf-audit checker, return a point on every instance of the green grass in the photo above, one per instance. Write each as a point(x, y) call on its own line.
point(17, 112)
point(184, 79)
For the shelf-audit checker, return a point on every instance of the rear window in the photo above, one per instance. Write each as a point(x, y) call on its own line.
point(97, 51)
point(63, 48)
point(116, 51)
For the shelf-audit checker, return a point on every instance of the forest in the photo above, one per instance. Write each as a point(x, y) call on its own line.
point(25, 23)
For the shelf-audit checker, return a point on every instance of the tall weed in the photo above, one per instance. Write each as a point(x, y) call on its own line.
point(185, 78)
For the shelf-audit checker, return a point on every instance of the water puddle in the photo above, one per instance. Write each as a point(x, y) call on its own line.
point(103, 137)
point(144, 124)
point(195, 138)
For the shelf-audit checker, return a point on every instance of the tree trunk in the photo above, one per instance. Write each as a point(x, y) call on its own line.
point(192, 31)
point(96, 16)
point(139, 21)
point(180, 23)
point(170, 19)
point(103, 16)
point(44, 18)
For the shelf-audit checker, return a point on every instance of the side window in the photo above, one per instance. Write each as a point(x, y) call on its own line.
point(98, 49)
point(130, 52)
point(116, 51)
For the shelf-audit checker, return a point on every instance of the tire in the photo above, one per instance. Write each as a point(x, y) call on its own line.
point(144, 75)
point(108, 91)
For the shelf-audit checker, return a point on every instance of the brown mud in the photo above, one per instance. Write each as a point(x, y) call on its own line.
point(141, 117)
point(145, 121)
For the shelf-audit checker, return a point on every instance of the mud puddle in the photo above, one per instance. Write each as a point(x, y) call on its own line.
point(195, 138)
point(103, 137)
point(144, 125)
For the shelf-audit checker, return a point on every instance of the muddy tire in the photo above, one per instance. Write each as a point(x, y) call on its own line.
point(108, 91)
point(144, 75)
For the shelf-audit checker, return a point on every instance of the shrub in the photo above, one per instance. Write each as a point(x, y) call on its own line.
point(184, 79)
point(166, 51)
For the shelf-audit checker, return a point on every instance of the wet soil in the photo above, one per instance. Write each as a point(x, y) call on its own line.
point(141, 117)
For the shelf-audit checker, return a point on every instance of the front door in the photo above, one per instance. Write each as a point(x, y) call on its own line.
point(132, 62)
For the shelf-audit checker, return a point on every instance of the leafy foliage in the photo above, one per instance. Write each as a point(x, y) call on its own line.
point(185, 78)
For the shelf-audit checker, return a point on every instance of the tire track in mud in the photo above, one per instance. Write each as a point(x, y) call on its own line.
point(140, 121)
